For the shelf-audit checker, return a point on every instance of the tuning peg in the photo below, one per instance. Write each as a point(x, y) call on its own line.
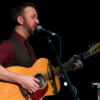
point(92, 44)
point(95, 42)
point(89, 46)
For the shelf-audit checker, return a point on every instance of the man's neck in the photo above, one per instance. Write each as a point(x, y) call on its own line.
point(21, 31)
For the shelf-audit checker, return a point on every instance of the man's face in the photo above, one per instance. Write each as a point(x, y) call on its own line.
point(30, 20)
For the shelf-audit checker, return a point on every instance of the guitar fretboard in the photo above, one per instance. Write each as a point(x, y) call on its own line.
point(56, 71)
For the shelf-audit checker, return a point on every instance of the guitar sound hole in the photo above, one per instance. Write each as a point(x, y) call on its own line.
point(42, 79)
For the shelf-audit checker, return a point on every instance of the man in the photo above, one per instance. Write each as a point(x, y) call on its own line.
point(25, 18)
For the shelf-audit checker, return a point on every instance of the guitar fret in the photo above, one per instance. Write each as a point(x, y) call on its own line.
point(65, 66)
point(49, 75)
point(46, 76)
point(55, 72)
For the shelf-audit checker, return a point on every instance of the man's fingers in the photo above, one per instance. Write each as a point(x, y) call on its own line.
point(36, 80)
point(80, 63)
point(75, 56)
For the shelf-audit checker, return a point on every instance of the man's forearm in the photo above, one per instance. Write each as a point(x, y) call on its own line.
point(7, 76)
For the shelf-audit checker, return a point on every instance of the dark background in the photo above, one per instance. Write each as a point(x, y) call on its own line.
point(77, 23)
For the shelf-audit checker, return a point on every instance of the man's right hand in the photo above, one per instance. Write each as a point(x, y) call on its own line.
point(29, 84)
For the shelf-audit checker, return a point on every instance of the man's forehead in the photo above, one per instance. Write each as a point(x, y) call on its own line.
point(28, 8)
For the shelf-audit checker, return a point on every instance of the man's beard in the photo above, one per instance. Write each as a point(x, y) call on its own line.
point(28, 28)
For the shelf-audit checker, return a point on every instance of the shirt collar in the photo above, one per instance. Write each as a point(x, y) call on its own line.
point(18, 36)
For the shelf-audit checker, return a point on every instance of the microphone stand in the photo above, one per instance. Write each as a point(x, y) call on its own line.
point(71, 87)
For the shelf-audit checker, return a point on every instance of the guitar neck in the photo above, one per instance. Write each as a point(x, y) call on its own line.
point(56, 71)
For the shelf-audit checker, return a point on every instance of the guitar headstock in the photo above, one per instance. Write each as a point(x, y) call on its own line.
point(95, 49)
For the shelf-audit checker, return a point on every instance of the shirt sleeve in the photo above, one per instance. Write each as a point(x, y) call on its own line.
point(6, 52)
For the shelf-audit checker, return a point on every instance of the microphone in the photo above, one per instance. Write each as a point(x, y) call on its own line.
point(40, 29)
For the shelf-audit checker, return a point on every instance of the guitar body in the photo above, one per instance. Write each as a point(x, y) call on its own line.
point(9, 91)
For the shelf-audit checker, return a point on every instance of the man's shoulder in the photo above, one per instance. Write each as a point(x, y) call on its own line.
point(6, 43)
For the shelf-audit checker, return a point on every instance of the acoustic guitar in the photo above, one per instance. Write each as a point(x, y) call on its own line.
point(43, 70)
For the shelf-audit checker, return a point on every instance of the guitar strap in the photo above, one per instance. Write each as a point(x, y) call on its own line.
point(24, 93)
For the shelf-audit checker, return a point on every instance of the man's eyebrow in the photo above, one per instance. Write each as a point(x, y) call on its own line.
point(35, 15)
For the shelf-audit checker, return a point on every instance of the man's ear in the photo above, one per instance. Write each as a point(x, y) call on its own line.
point(20, 20)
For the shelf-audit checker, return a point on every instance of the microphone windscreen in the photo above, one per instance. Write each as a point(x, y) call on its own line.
point(38, 28)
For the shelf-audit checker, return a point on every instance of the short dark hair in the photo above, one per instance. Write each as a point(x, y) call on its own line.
point(18, 10)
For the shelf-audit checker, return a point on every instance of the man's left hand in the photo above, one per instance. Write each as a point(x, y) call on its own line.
point(78, 64)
